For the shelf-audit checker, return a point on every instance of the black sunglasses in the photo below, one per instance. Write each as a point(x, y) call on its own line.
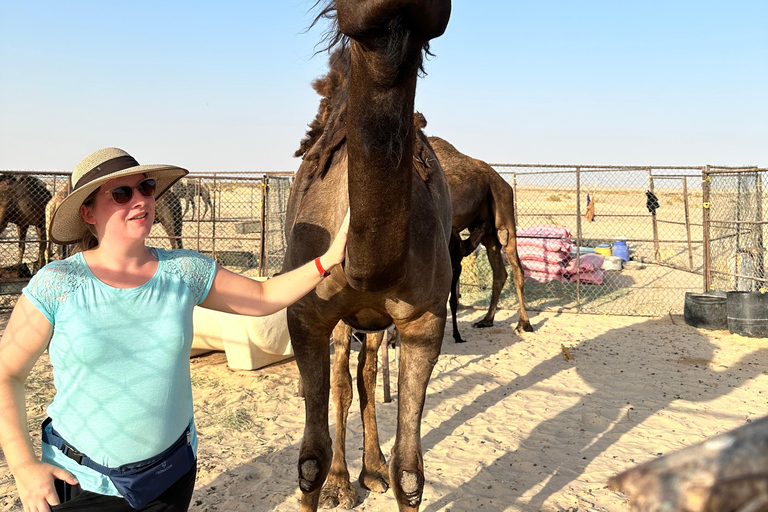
point(122, 195)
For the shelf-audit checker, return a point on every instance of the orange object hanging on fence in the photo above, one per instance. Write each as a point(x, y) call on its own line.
point(590, 215)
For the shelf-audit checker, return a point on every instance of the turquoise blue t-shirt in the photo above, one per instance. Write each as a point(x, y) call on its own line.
point(120, 359)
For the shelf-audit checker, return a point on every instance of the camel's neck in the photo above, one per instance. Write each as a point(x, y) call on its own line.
point(380, 140)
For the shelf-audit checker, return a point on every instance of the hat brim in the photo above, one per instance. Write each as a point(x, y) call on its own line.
point(67, 225)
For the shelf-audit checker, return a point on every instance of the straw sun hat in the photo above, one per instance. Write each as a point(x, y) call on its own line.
point(99, 167)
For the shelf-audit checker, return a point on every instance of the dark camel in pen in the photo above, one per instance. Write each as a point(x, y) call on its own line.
point(363, 152)
point(22, 202)
point(483, 203)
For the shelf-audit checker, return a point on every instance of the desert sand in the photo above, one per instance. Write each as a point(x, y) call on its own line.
point(509, 423)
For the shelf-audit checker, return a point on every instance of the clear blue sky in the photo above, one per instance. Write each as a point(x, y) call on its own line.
point(226, 85)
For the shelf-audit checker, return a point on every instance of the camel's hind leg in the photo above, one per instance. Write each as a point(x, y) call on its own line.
point(309, 336)
point(41, 247)
point(337, 491)
point(374, 475)
point(420, 347)
point(455, 248)
point(493, 251)
point(523, 323)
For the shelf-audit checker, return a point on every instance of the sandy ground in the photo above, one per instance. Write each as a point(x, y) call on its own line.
point(509, 424)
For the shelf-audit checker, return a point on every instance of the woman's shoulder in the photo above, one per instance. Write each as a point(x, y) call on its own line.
point(185, 263)
point(192, 268)
point(57, 280)
point(61, 269)
point(179, 255)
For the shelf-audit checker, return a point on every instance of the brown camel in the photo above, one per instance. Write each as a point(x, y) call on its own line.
point(55, 251)
point(482, 202)
point(363, 152)
point(168, 213)
point(22, 202)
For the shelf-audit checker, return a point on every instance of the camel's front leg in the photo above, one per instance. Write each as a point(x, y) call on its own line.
point(420, 341)
point(337, 491)
point(374, 475)
point(310, 335)
point(22, 231)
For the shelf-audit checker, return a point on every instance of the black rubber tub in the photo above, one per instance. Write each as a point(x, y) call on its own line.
point(706, 310)
point(748, 314)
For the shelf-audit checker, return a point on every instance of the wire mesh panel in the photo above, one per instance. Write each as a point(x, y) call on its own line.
point(651, 216)
point(237, 219)
point(736, 229)
point(278, 188)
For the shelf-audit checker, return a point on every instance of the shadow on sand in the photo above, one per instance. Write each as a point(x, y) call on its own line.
point(674, 362)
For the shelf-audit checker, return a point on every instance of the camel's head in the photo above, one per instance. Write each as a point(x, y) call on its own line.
point(369, 20)
point(390, 27)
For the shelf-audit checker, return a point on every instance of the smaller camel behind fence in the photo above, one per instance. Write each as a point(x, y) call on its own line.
point(55, 251)
point(22, 202)
point(196, 194)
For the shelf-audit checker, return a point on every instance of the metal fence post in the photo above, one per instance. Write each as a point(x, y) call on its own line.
point(264, 230)
point(687, 224)
point(578, 239)
point(705, 184)
point(653, 219)
point(760, 263)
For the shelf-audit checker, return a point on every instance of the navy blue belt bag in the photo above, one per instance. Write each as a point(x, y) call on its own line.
point(138, 482)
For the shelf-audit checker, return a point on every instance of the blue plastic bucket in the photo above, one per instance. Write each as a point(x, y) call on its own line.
point(620, 249)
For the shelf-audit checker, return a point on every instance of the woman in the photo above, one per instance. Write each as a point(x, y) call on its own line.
point(116, 319)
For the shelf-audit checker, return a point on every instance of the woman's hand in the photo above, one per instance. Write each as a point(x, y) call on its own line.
point(337, 251)
point(35, 482)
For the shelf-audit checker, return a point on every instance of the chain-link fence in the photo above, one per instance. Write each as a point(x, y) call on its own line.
point(735, 226)
point(651, 215)
point(236, 218)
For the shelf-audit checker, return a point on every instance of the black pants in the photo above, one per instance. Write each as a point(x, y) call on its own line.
point(175, 499)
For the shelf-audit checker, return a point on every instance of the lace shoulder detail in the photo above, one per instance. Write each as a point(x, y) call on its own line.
point(54, 283)
point(194, 269)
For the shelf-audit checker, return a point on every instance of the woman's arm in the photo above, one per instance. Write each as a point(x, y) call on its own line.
point(26, 336)
point(233, 293)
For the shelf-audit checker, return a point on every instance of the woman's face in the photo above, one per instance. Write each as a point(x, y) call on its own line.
point(132, 220)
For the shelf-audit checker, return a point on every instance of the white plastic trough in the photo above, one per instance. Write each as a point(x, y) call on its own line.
point(249, 342)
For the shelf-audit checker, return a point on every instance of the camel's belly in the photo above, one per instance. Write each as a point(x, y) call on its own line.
point(368, 320)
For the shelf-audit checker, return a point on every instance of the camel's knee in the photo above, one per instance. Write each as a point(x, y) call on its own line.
point(312, 474)
point(314, 466)
point(409, 487)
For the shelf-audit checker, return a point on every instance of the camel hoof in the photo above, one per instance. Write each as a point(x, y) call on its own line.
point(459, 339)
point(483, 323)
point(308, 471)
point(375, 481)
point(524, 326)
point(338, 495)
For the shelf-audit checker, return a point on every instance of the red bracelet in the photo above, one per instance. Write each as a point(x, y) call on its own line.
point(323, 272)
